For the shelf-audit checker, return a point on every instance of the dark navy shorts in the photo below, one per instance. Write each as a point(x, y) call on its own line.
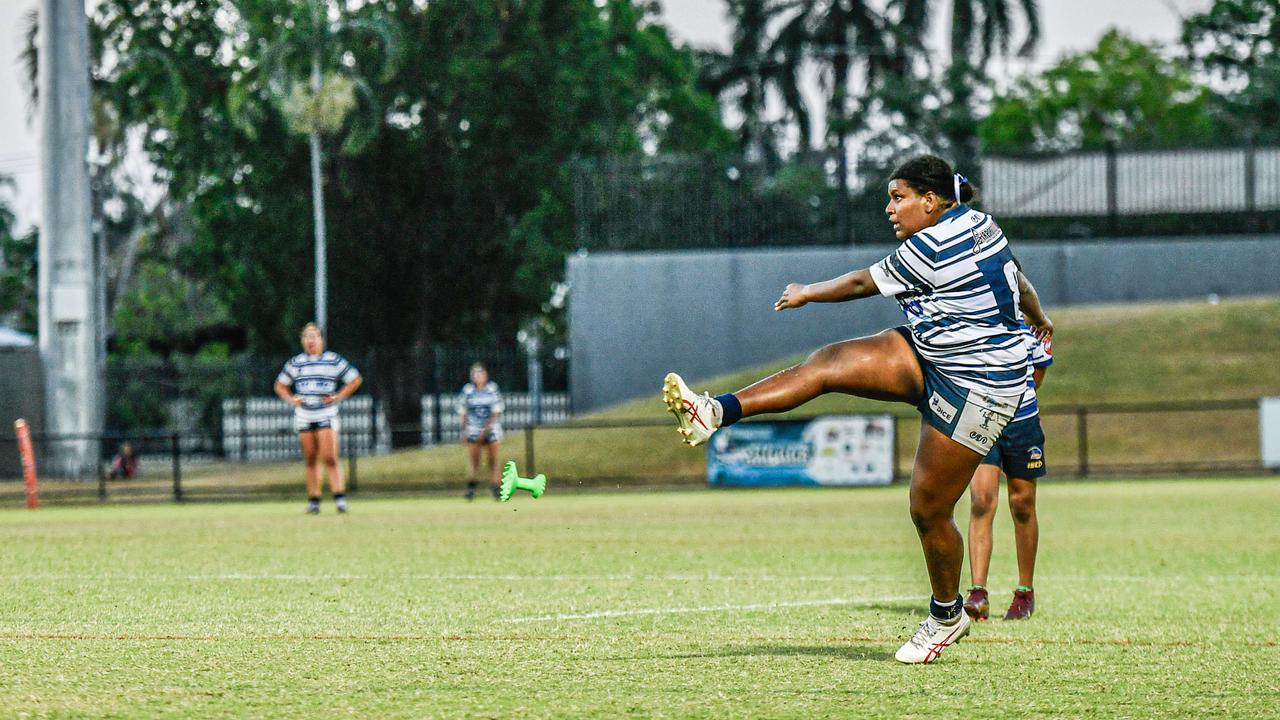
point(972, 418)
point(1020, 451)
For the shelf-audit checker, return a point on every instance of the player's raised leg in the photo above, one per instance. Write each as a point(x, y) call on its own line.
point(881, 367)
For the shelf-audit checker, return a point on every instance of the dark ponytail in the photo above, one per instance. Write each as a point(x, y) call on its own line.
point(930, 173)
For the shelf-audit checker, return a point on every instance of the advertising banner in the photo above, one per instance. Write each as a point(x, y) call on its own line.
point(828, 450)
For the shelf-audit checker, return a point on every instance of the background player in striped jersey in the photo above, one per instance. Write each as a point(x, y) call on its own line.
point(962, 363)
point(480, 407)
point(1020, 453)
point(309, 382)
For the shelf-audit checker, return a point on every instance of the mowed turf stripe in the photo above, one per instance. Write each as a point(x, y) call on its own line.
point(479, 577)
point(90, 637)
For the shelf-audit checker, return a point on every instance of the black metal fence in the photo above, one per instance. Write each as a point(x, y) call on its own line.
point(186, 395)
point(1116, 192)
point(700, 202)
point(710, 201)
point(1086, 441)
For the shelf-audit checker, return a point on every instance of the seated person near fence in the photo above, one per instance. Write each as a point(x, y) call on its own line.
point(309, 382)
point(480, 407)
point(124, 464)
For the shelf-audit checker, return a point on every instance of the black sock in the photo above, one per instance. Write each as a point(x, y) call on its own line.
point(339, 496)
point(945, 612)
point(313, 501)
point(471, 486)
point(732, 409)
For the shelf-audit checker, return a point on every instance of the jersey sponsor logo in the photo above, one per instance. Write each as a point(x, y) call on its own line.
point(982, 238)
point(942, 408)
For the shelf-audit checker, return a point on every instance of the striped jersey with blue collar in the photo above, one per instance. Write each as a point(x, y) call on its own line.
point(956, 282)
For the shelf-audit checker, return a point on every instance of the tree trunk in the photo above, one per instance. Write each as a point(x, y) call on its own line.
point(840, 67)
point(400, 377)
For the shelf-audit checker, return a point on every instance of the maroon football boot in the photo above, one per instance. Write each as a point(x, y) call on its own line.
point(976, 604)
point(1024, 603)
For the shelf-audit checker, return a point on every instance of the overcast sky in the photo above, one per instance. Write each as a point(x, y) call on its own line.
point(1066, 26)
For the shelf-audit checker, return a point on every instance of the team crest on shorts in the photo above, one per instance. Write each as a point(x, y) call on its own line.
point(1035, 453)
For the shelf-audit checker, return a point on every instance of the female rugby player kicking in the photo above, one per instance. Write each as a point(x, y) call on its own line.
point(961, 361)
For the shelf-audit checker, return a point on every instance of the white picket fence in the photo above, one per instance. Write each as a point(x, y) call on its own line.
point(261, 428)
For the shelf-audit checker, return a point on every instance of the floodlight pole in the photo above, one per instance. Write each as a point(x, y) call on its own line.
point(317, 208)
point(69, 331)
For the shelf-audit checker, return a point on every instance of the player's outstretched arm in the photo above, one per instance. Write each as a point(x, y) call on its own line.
point(1029, 301)
point(850, 286)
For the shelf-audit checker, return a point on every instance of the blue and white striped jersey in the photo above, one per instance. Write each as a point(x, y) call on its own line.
point(956, 282)
point(312, 377)
point(1040, 355)
point(478, 404)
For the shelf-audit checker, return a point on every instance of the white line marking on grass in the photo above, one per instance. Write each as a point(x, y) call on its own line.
point(709, 608)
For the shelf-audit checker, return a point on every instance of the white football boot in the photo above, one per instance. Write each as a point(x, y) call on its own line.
point(932, 638)
point(697, 415)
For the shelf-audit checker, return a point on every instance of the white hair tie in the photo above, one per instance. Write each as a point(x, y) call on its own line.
point(957, 179)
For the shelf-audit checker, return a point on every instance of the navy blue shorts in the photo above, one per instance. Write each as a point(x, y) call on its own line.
point(1020, 451)
point(973, 419)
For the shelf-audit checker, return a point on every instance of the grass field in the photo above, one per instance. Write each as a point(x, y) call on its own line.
point(1156, 599)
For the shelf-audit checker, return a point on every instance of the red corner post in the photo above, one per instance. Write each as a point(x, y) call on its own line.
point(28, 461)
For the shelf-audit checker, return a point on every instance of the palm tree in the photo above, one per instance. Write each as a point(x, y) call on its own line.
point(755, 65)
point(325, 42)
point(980, 30)
point(854, 39)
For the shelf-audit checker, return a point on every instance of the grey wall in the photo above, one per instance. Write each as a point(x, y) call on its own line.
point(21, 396)
point(633, 317)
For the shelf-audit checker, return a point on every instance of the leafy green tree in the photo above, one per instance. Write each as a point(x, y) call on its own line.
point(1237, 43)
point(757, 64)
point(1122, 92)
point(450, 222)
point(18, 264)
point(317, 39)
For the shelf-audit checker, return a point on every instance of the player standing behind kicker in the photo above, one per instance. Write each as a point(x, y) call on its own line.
point(962, 363)
point(309, 382)
point(480, 407)
point(1020, 453)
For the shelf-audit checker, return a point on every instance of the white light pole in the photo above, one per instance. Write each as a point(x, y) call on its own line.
point(69, 335)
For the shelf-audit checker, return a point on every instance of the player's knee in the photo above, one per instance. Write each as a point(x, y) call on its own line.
point(927, 515)
point(1023, 507)
point(982, 504)
point(311, 461)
